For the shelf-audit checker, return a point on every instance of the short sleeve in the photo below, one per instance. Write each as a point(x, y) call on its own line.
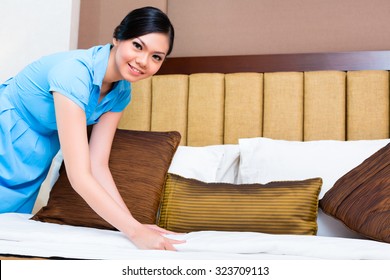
point(71, 78)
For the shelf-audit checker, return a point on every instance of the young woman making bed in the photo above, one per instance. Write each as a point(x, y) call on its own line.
point(48, 105)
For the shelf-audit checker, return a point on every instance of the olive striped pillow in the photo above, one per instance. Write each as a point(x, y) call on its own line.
point(285, 207)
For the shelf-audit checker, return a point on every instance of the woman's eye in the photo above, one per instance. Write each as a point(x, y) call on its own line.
point(137, 46)
point(157, 57)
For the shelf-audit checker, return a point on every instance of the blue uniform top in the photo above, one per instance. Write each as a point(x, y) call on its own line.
point(29, 137)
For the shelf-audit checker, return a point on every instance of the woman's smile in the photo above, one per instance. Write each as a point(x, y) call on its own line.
point(135, 71)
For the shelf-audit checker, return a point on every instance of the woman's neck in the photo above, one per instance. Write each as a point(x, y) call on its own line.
point(112, 75)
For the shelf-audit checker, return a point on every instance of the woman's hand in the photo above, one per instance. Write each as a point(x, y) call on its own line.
point(151, 237)
point(160, 230)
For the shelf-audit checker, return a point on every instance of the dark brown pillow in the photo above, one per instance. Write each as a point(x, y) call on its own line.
point(361, 198)
point(139, 163)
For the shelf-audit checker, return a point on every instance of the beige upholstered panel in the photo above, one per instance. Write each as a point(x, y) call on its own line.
point(243, 106)
point(137, 115)
point(325, 99)
point(169, 104)
point(210, 109)
point(283, 105)
point(205, 109)
point(368, 105)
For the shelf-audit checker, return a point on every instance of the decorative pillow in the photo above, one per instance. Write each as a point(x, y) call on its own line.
point(215, 163)
point(361, 198)
point(264, 160)
point(288, 207)
point(139, 163)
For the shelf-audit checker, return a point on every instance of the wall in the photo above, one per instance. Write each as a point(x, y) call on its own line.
point(234, 27)
point(98, 18)
point(203, 27)
point(227, 27)
point(33, 28)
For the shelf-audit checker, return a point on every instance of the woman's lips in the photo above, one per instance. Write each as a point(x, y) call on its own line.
point(134, 70)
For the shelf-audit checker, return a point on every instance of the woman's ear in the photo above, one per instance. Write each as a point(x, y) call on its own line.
point(115, 41)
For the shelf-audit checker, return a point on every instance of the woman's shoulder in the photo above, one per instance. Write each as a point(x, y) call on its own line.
point(84, 57)
point(75, 62)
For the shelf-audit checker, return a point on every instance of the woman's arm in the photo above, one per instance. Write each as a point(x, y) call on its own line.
point(100, 147)
point(71, 123)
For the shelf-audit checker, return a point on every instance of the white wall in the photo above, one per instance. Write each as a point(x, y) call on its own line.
point(30, 29)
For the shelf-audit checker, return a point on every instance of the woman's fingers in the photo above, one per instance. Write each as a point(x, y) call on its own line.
point(169, 247)
point(152, 237)
point(169, 244)
point(162, 230)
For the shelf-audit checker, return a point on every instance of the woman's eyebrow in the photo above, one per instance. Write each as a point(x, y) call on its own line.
point(145, 46)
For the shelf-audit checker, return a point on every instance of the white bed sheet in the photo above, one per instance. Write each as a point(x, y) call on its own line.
point(21, 236)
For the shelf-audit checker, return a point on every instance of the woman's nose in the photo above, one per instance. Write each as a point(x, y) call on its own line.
point(142, 60)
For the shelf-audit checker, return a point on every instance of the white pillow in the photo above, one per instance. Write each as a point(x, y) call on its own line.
point(228, 168)
point(264, 160)
point(216, 163)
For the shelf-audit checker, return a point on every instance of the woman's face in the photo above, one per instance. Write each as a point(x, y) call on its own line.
point(140, 57)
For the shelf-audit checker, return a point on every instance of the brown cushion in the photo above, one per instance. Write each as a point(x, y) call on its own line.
point(361, 198)
point(286, 207)
point(139, 163)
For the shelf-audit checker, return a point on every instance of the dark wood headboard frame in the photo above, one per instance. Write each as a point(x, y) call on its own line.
point(343, 61)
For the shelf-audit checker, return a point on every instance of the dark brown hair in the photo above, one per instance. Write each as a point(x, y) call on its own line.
point(143, 21)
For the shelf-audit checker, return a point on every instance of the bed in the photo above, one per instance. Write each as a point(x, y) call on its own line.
point(250, 157)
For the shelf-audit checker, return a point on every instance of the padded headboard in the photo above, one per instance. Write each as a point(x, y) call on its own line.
point(217, 100)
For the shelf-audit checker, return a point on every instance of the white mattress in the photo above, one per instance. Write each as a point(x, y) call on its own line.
point(21, 236)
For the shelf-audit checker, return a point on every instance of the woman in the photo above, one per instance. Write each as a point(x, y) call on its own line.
point(49, 104)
